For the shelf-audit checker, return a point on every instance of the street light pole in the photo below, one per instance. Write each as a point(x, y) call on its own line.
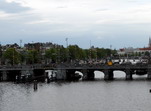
point(13, 56)
point(90, 51)
point(67, 50)
point(67, 42)
point(96, 55)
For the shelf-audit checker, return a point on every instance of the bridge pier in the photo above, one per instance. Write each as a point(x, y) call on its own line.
point(25, 76)
point(4, 76)
point(12, 74)
point(128, 74)
point(84, 72)
point(61, 74)
point(108, 74)
point(149, 73)
point(0, 76)
point(39, 74)
point(70, 73)
point(90, 74)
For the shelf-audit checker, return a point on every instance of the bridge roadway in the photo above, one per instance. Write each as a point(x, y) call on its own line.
point(78, 67)
point(67, 71)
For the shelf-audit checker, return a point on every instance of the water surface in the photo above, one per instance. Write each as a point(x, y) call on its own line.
point(98, 95)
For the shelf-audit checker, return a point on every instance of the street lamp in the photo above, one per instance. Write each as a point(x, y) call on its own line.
point(67, 42)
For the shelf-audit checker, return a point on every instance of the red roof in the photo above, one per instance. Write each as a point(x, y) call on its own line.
point(121, 50)
point(147, 48)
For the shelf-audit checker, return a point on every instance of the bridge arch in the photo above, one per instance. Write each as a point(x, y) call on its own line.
point(119, 74)
point(73, 74)
point(79, 73)
point(98, 74)
point(140, 74)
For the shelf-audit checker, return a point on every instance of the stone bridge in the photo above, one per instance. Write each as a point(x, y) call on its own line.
point(67, 71)
point(88, 71)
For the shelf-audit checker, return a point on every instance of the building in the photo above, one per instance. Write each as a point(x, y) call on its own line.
point(136, 51)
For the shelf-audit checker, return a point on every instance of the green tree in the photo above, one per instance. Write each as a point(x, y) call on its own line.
point(87, 53)
point(63, 53)
point(0, 51)
point(24, 56)
point(147, 53)
point(32, 57)
point(51, 54)
point(1, 54)
point(76, 53)
point(12, 56)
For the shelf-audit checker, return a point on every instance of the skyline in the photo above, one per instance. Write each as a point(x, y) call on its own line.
point(103, 22)
point(21, 44)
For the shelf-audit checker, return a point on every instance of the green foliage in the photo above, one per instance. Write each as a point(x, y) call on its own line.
point(23, 56)
point(51, 54)
point(56, 55)
point(147, 53)
point(32, 56)
point(75, 53)
point(12, 56)
point(1, 51)
point(62, 54)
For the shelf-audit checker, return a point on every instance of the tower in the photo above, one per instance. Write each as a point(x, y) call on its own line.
point(149, 45)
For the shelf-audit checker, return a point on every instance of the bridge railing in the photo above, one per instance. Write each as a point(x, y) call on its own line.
point(68, 65)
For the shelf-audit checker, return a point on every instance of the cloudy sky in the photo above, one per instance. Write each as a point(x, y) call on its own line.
point(120, 23)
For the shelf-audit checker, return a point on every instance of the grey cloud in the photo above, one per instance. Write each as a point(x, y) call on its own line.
point(12, 7)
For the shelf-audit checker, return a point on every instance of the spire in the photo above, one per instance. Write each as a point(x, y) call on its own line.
point(149, 45)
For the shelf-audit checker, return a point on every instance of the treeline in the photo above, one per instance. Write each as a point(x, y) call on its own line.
point(13, 56)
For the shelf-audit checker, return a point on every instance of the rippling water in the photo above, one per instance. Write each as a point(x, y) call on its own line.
point(98, 95)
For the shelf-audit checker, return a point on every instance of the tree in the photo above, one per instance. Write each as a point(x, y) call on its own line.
point(0, 54)
point(147, 53)
point(51, 54)
point(76, 53)
point(136, 54)
point(24, 56)
point(12, 56)
point(63, 53)
point(87, 53)
point(0, 51)
point(33, 57)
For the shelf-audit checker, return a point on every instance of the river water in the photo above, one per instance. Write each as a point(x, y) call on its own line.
point(98, 95)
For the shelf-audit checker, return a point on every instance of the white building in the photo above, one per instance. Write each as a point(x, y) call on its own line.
point(131, 50)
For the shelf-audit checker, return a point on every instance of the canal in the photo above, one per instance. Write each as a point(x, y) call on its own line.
point(98, 95)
